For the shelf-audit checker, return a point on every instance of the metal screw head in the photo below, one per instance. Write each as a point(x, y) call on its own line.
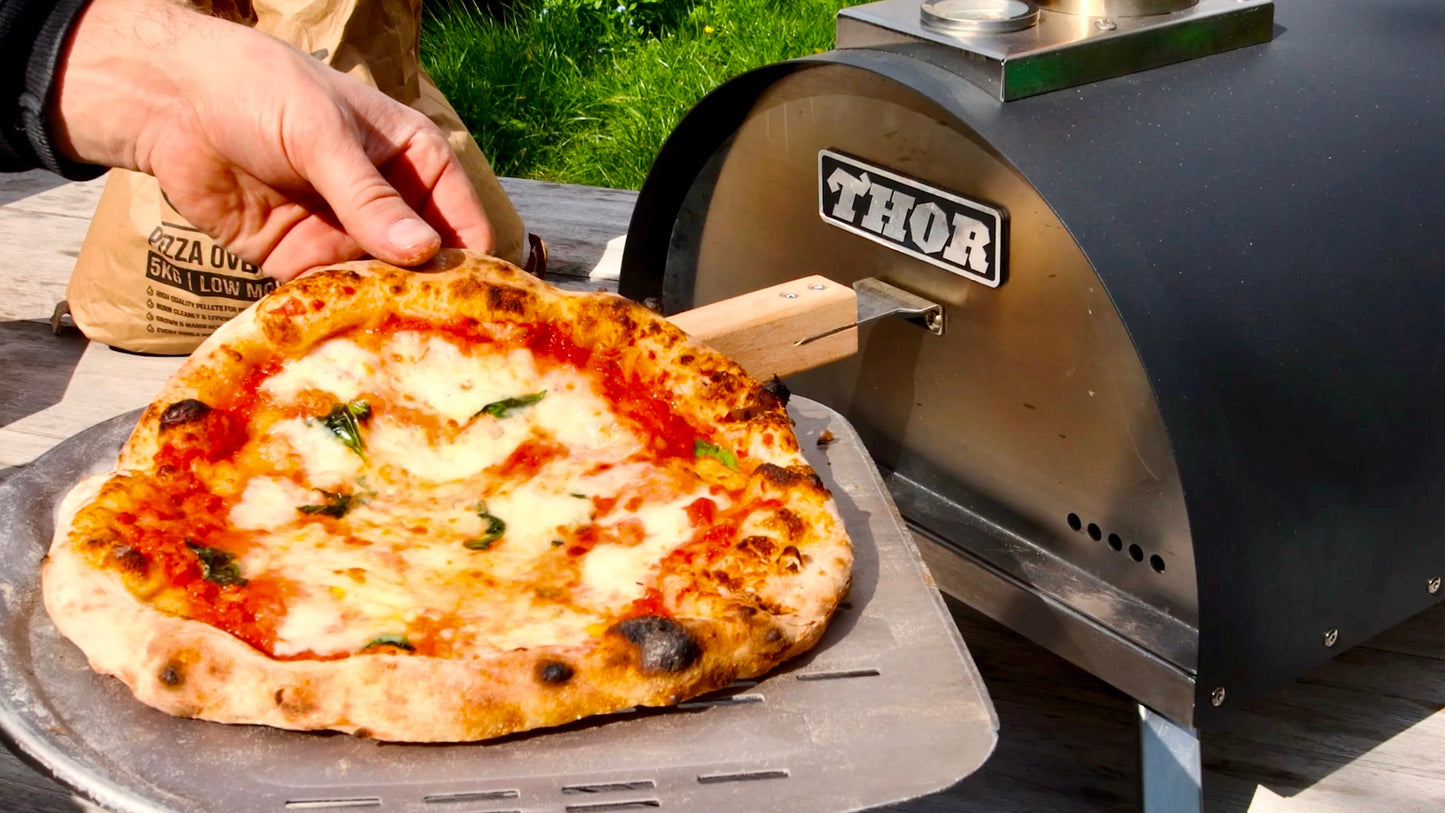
point(1433, 585)
point(1331, 636)
point(817, 286)
point(652, 303)
point(788, 295)
point(1105, 24)
point(1216, 697)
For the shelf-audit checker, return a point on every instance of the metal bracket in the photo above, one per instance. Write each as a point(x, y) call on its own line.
point(877, 299)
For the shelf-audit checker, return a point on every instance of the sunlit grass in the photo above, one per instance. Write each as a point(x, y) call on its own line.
point(569, 91)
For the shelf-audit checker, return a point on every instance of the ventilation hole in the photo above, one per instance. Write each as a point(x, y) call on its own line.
point(611, 787)
point(740, 684)
point(1115, 542)
point(609, 807)
point(1094, 532)
point(1136, 553)
point(749, 776)
point(736, 700)
point(1157, 562)
point(840, 675)
point(1074, 522)
point(471, 796)
point(332, 804)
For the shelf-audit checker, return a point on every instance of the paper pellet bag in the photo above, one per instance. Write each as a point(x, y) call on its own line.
point(147, 281)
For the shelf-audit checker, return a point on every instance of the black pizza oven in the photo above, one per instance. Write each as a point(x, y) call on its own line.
point(1185, 424)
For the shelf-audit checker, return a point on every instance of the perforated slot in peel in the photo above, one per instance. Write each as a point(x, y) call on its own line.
point(471, 796)
point(333, 804)
point(735, 700)
point(841, 674)
point(611, 787)
point(610, 807)
point(746, 776)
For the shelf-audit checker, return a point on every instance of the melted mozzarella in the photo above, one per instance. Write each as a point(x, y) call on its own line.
point(613, 576)
point(339, 367)
point(434, 374)
point(326, 461)
point(399, 554)
point(268, 502)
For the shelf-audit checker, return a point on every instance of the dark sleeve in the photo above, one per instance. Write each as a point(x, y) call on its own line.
point(33, 35)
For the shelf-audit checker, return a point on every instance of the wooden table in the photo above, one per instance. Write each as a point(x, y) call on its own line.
point(1365, 732)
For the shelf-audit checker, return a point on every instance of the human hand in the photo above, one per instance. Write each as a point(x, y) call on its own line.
point(286, 162)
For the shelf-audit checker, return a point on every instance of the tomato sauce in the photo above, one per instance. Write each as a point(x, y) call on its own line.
point(529, 458)
point(701, 511)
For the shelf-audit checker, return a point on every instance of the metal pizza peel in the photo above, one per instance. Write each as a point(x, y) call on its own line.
point(888, 707)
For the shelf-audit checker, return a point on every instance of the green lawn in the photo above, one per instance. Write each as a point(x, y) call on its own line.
point(585, 91)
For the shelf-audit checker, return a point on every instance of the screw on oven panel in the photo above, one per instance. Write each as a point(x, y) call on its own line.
point(1433, 585)
point(653, 304)
point(1216, 697)
point(1105, 24)
point(817, 286)
point(1331, 636)
point(788, 295)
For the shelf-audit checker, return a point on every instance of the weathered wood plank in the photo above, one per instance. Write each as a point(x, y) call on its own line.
point(584, 227)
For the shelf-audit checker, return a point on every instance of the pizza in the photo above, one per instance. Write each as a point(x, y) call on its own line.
point(446, 505)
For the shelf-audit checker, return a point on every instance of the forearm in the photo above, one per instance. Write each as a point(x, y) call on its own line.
point(33, 37)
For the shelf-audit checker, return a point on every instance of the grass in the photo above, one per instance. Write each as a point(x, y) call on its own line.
point(586, 91)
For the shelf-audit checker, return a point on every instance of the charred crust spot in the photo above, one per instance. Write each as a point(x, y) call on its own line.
point(663, 645)
point(362, 733)
point(397, 288)
point(129, 560)
point(295, 700)
point(172, 675)
point(761, 545)
point(507, 299)
point(184, 412)
point(790, 523)
point(686, 359)
point(776, 388)
point(773, 635)
point(467, 288)
point(726, 579)
point(779, 476)
point(791, 559)
point(555, 672)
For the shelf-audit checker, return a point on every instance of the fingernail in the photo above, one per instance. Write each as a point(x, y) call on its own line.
point(409, 234)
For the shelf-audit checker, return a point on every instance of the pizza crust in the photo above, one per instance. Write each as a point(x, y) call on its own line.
point(767, 598)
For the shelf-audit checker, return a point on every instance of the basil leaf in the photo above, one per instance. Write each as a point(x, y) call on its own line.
point(578, 495)
point(395, 639)
point(217, 566)
point(336, 504)
point(344, 421)
point(499, 409)
point(495, 528)
point(701, 448)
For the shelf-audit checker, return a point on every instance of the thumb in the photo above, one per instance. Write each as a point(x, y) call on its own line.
point(370, 209)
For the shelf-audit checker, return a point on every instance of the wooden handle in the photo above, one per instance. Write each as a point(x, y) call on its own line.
point(760, 330)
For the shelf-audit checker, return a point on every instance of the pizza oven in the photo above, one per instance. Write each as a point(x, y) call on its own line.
point(1185, 422)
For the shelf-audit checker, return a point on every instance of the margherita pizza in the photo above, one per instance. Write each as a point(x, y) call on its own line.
point(446, 506)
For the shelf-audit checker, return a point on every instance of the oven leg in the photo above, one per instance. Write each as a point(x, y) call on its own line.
point(1170, 768)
